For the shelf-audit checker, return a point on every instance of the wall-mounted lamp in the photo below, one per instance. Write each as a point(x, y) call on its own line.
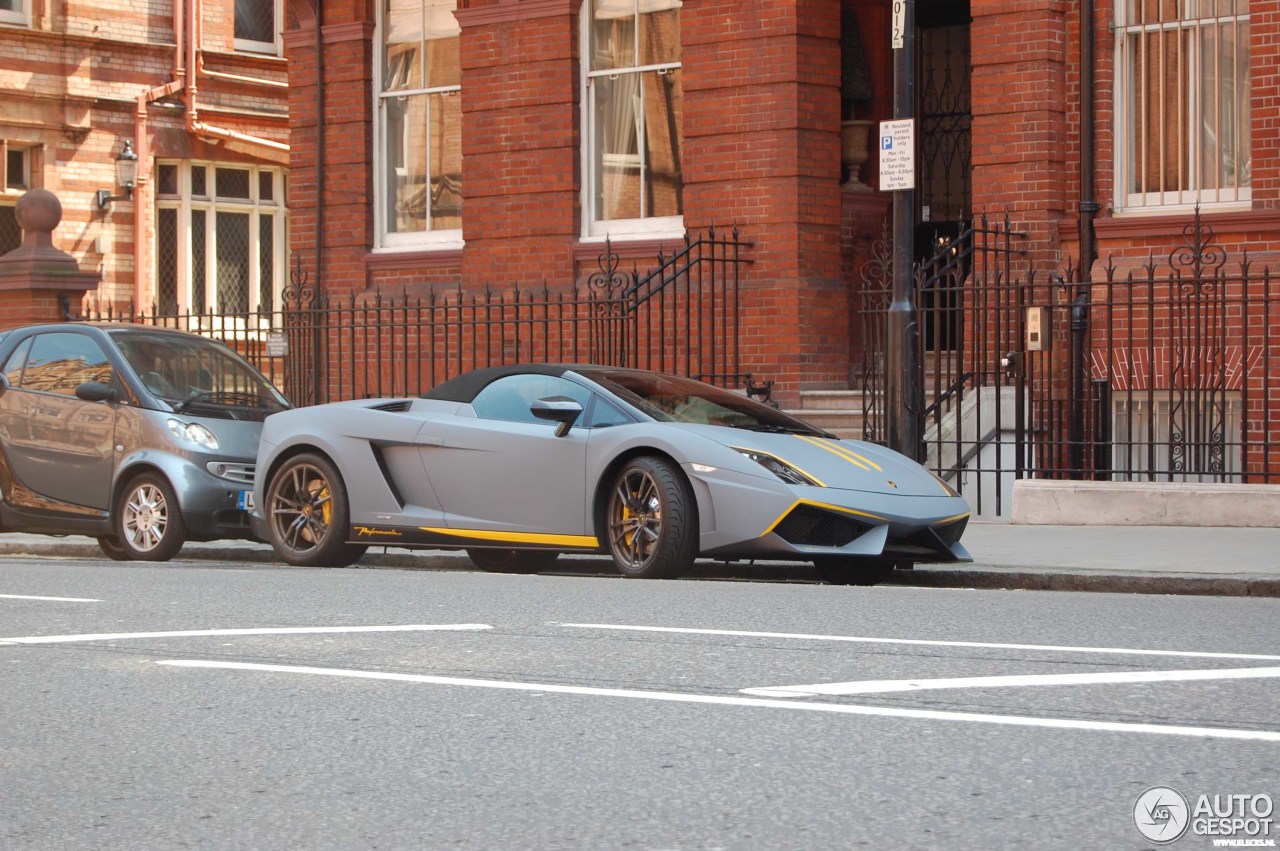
point(126, 174)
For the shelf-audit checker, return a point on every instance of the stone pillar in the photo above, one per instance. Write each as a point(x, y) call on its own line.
point(39, 283)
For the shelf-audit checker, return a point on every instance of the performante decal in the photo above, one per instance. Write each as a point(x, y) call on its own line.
point(839, 509)
point(844, 452)
point(366, 532)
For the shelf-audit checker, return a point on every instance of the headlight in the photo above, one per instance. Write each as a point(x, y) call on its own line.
point(782, 469)
point(194, 433)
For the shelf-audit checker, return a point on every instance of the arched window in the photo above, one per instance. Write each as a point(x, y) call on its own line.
point(633, 103)
point(419, 124)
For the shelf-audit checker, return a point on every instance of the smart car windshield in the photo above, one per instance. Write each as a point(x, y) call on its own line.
point(194, 374)
point(670, 398)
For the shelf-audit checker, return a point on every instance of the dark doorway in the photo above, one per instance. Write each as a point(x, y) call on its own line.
point(944, 120)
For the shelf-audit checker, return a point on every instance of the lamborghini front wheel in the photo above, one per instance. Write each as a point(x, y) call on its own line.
point(308, 515)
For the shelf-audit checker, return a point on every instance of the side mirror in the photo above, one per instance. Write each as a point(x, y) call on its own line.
point(96, 391)
point(4, 382)
point(559, 409)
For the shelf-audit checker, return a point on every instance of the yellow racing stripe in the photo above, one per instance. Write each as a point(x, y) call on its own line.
point(843, 452)
point(588, 541)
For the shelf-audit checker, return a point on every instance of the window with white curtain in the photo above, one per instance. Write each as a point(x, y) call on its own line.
point(633, 109)
point(419, 125)
point(1182, 103)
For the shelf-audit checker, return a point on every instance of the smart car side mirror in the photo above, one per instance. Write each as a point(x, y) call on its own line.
point(560, 409)
point(96, 391)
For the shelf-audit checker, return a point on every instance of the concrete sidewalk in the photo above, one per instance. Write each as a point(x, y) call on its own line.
point(1133, 559)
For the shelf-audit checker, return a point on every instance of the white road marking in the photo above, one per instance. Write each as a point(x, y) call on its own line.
point(676, 697)
point(1186, 654)
point(1013, 681)
point(201, 633)
point(51, 599)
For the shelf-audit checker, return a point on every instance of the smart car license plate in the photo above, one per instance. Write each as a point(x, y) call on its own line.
point(245, 500)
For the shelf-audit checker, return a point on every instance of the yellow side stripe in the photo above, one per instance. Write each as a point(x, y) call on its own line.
point(837, 508)
point(845, 453)
point(952, 519)
point(517, 537)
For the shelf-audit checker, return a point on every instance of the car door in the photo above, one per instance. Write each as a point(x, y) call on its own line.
point(59, 447)
point(506, 471)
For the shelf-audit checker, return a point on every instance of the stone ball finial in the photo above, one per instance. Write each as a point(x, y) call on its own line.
point(38, 210)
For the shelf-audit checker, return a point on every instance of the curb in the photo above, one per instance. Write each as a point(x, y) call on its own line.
point(985, 577)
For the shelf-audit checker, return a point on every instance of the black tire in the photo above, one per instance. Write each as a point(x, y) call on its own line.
point(856, 571)
point(147, 520)
point(110, 545)
point(513, 561)
point(307, 513)
point(651, 520)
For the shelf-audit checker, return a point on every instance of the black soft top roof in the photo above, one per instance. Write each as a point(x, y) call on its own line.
point(465, 387)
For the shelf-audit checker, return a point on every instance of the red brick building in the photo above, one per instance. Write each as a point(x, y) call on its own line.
point(496, 142)
point(196, 91)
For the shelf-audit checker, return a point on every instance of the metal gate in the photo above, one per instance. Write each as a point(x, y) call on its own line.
point(1161, 372)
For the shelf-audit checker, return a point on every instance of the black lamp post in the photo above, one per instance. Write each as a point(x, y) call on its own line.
point(126, 175)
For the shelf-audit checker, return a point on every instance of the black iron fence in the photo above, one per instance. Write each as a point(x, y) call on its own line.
point(1162, 372)
point(681, 316)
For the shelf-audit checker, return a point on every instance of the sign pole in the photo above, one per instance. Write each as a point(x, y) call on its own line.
point(902, 358)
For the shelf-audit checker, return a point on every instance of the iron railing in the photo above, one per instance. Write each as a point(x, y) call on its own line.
point(1164, 371)
point(681, 316)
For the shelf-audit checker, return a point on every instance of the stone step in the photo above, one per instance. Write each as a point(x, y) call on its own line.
point(840, 400)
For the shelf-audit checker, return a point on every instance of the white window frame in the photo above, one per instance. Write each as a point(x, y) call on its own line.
point(21, 17)
point(1125, 119)
point(186, 203)
point(592, 228)
point(387, 240)
point(273, 47)
point(1138, 413)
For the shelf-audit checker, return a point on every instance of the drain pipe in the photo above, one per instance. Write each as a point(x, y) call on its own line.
point(142, 208)
point(1088, 165)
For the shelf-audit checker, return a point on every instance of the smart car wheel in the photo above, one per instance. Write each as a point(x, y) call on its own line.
point(513, 561)
point(855, 571)
point(308, 515)
point(651, 520)
point(148, 520)
point(110, 545)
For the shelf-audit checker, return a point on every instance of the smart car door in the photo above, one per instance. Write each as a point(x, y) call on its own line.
point(59, 448)
point(505, 470)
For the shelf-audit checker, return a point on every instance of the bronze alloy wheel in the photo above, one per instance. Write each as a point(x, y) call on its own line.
point(307, 512)
point(651, 520)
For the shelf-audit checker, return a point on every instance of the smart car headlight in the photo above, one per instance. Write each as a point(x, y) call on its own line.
point(782, 469)
point(194, 433)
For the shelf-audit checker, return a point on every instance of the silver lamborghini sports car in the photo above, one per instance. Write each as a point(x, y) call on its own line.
point(517, 464)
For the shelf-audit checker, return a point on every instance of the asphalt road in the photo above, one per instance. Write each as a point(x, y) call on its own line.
point(461, 710)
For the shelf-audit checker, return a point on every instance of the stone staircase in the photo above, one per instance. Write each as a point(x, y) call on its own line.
point(836, 411)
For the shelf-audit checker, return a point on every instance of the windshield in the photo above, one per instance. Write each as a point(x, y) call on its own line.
point(197, 375)
point(669, 398)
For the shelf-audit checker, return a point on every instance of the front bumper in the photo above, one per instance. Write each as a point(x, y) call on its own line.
point(750, 517)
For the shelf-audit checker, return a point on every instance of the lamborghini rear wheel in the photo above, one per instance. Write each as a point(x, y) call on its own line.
point(308, 515)
point(513, 561)
point(651, 520)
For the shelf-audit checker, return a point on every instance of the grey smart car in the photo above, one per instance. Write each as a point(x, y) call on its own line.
point(142, 437)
